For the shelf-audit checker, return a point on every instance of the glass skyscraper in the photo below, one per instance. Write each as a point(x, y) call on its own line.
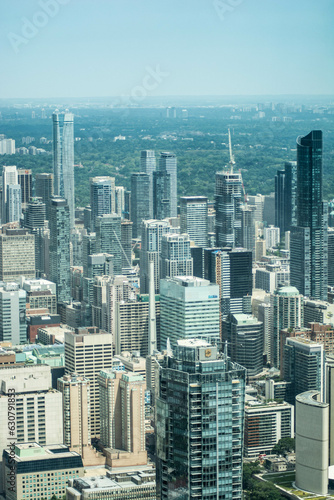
point(148, 165)
point(63, 159)
point(308, 244)
point(199, 423)
point(194, 218)
point(165, 187)
point(228, 208)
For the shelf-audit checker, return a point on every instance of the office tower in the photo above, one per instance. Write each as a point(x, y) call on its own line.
point(63, 159)
point(127, 205)
point(35, 217)
point(232, 270)
point(102, 197)
point(25, 181)
point(194, 218)
point(13, 204)
point(118, 289)
point(175, 258)
point(288, 312)
point(265, 316)
point(312, 442)
point(318, 311)
point(60, 265)
point(99, 304)
point(330, 256)
point(122, 407)
point(151, 236)
point(44, 190)
point(87, 352)
point(120, 201)
point(108, 238)
point(189, 308)
point(247, 237)
point(272, 237)
point(304, 366)
point(40, 469)
point(9, 178)
point(99, 264)
point(148, 165)
point(126, 241)
point(285, 196)
point(257, 202)
point(140, 209)
point(17, 254)
point(89, 247)
point(244, 336)
point(228, 198)
point(269, 209)
point(265, 425)
point(271, 278)
point(13, 327)
point(205, 463)
point(260, 249)
point(76, 415)
point(131, 324)
point(308, 240)
point(165, 187)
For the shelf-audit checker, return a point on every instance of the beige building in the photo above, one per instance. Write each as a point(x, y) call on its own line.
point(40, 472)
point(17, 254)
point(122, 407)
point(76, 417)
point(87, 352)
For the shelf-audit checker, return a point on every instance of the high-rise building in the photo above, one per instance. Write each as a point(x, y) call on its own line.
point(102, 197)
point(126, 240)
point(76, 414)
point(189, 308)
point(87, 352)
point(140, 209)
point(35, 218)
point(108, 238)
point(9, 178)
point(13, 326)
point(13, 204)
point(194, 218)
point(151, 236)
point(272, 237)
point(265, 425)
point(17, 254)
point(63, 159)
point(308, 239)
point(165, 187)
point(120, 201)
point(148, 165)
point(330, 256)
point(199, 423)
point(228, 198)
point(25, 181)
point(288, 312)
point(44, 190)
point(122, 407)
point(304, 366)
point(176, 259)
point(60, 264)
point(247, 236)
point(285, 196)
point(244, 336)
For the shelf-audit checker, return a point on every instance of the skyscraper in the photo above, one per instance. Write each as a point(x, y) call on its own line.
point(44, 190)
point(189, 308)
point(330, 256)
point(228, 213)
point(108, 238)
point(9, 178)
point(140, 209)
point(63, 159)
point(13, 205)
point(60, 265)
point(176, 259)
point(165, 187)
point(25, 181)
point(308, 244)
point(194, 218)
point(13, 326)
point(148, 165)
point(285, 196)
point(17, 254)
point(102, 197)
point(199, 423)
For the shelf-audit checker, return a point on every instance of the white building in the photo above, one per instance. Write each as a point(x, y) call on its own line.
point(272, 236)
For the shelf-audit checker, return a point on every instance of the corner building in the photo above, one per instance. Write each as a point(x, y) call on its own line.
point(199, 423)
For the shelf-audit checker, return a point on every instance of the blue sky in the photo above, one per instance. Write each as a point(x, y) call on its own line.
point(199, 47)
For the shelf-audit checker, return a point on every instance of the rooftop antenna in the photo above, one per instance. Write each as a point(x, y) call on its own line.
point(231, 162)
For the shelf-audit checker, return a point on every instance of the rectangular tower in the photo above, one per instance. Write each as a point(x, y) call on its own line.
point(194, 218)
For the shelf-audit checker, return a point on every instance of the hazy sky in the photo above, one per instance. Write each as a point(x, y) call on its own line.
point(77, 48)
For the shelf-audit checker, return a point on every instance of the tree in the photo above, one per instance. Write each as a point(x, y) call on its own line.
point(284, 446)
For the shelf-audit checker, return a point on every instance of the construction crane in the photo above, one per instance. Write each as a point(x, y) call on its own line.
point(231, 162)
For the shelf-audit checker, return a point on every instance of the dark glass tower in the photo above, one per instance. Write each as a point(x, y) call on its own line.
point(308, 246)
point(140, 187)
point(285, 197)
point(165, 187)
